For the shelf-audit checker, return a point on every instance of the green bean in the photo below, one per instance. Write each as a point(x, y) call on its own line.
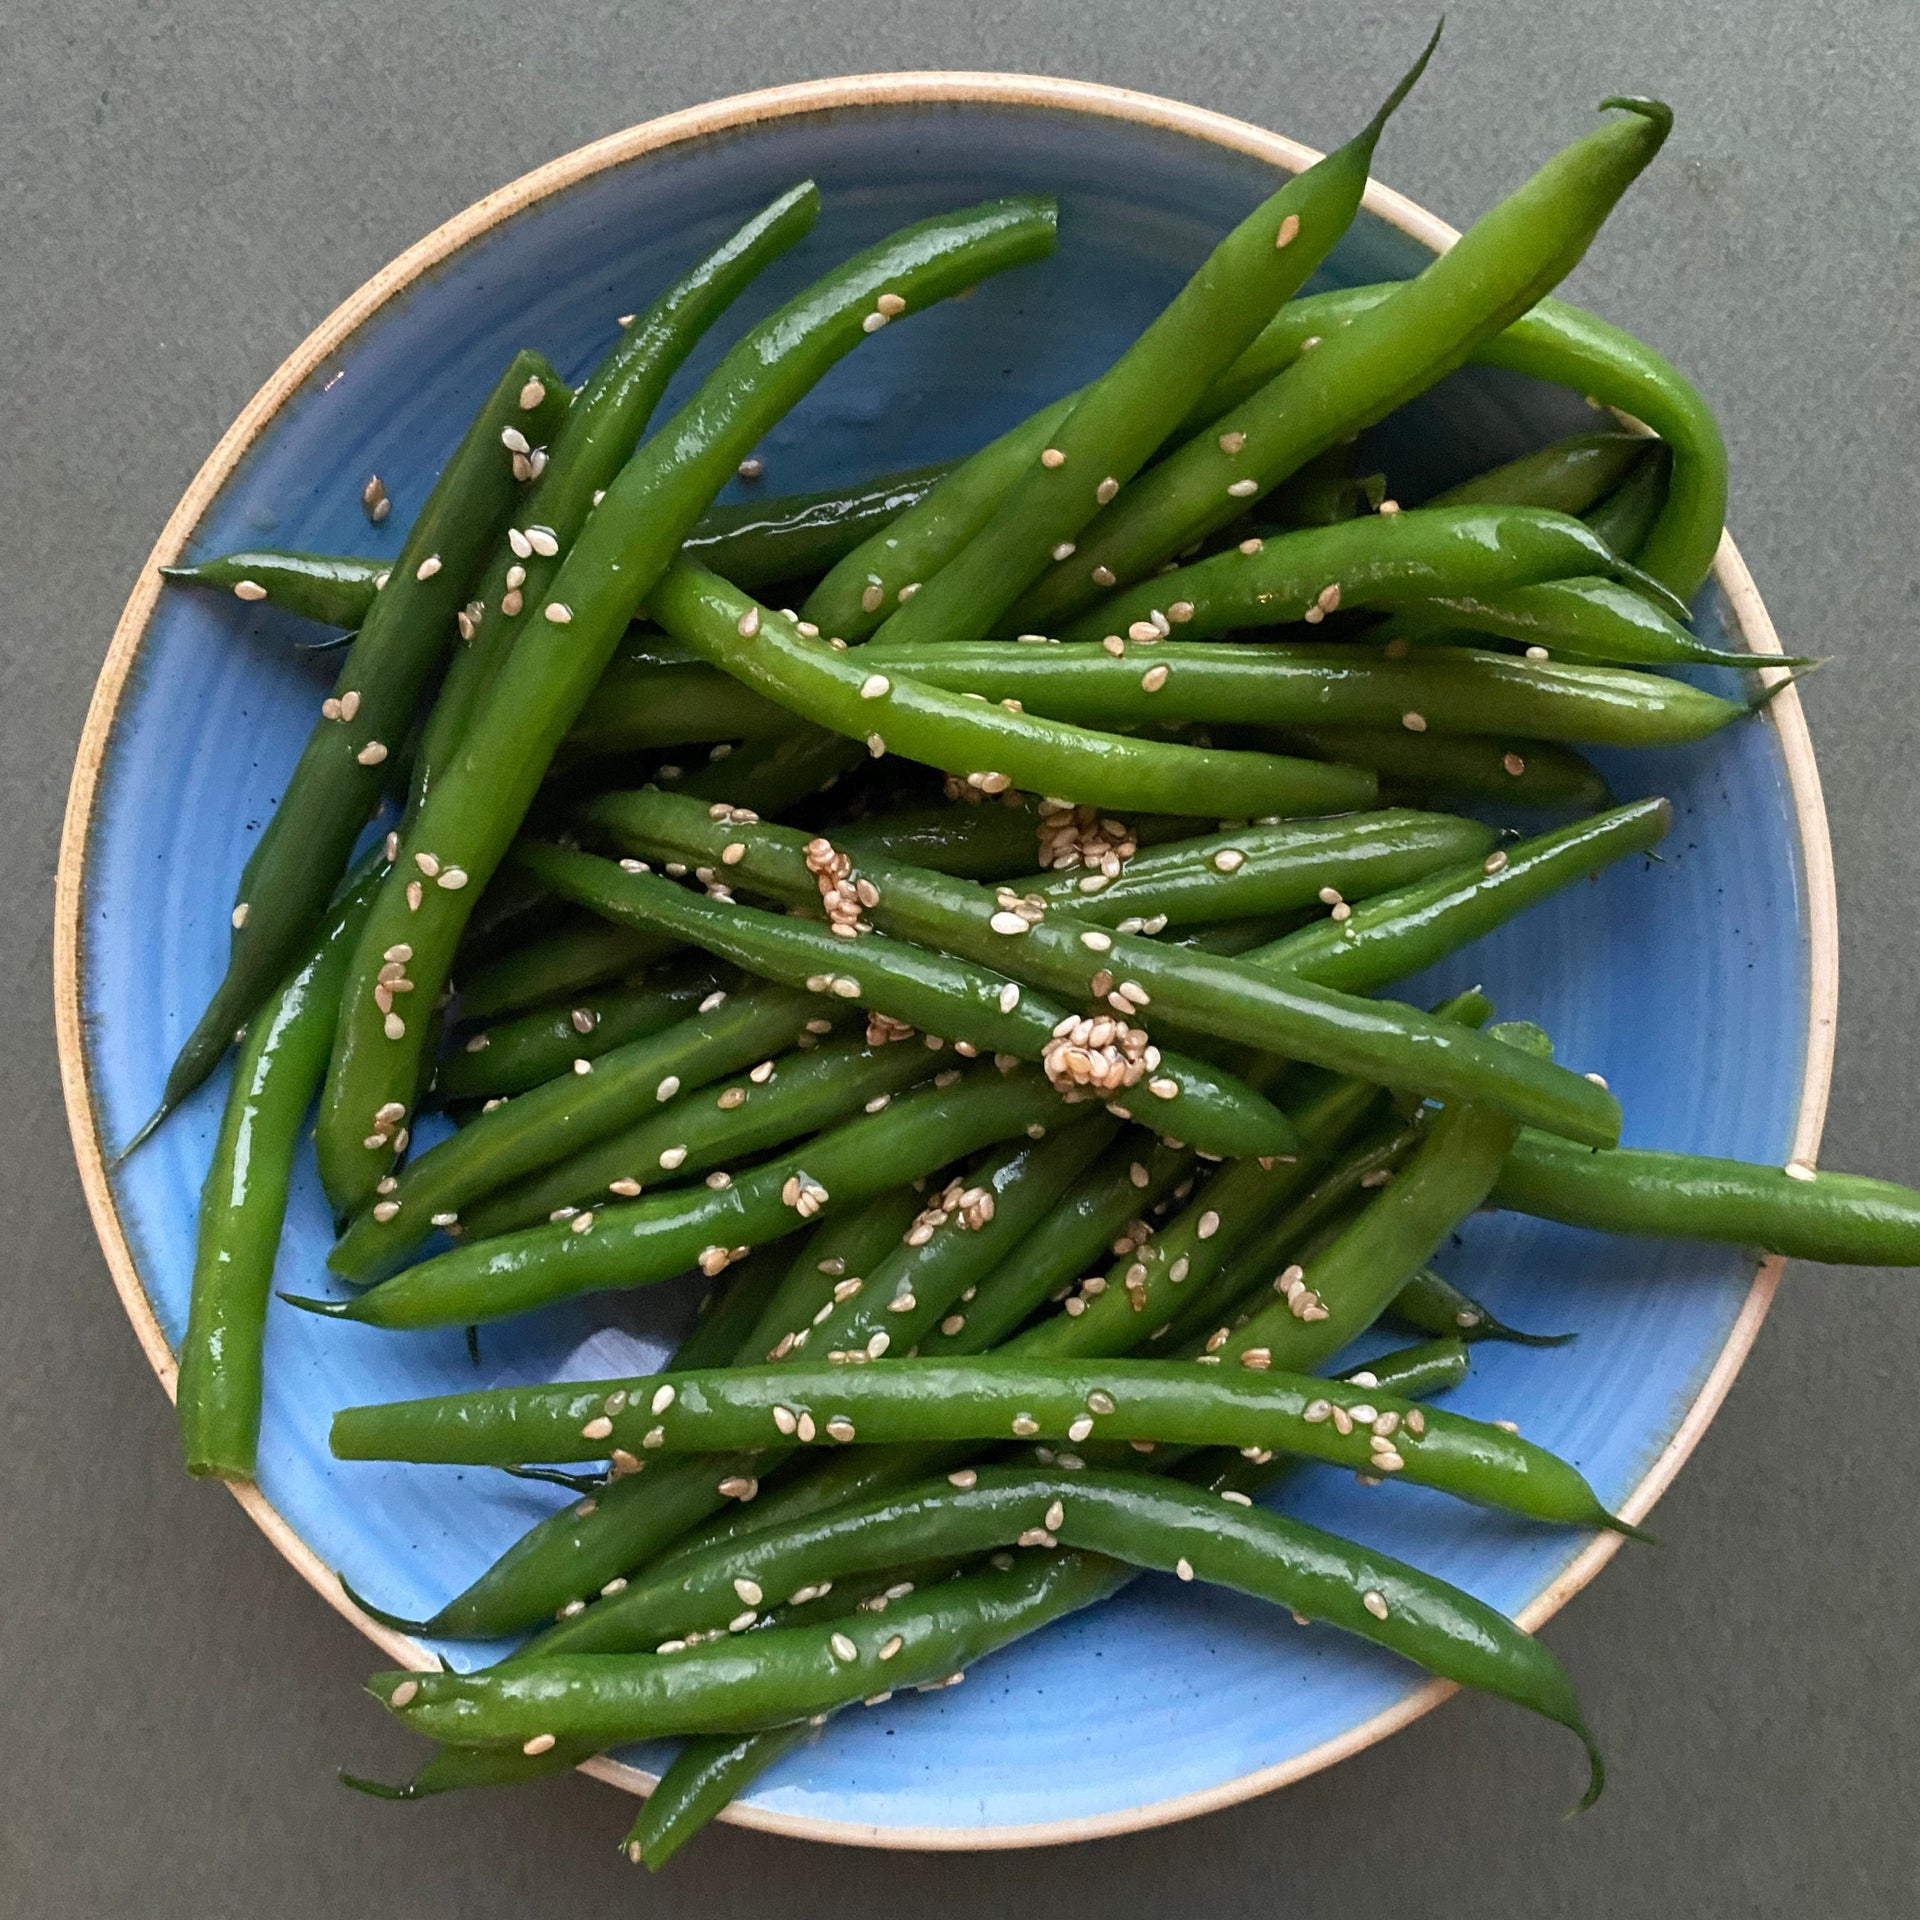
point(1592, 620)
point(551, 1121)
point(609, 416)
point(1440, 766)
point(1112, 1197)
point(787, 1672)
point(726, 1314)
point(1451, 690)
point(299, 857)
point(243, 1202)
point(704, 1778)
point(708, 1128)
point(1573, 348)
point(1234, 1000)
point(471, 816)
point(1397, 934)
point(985, 1399)
point(1346, 1288)
point(839, 690)
point(1118, 421)
point(864, 586)
point(1386, 558)
point(332, 588)
point(647, 1241)
point(1312, 499)
point(518, 1054)
point(1846, 1219)
point(1430, 1303)
point(1628, 515)
point(929, 991)
point(846, 1246)
point(1264, 869)
point(562, 963)
point(635, 708)
point(761, 542)
point(1360, 372)
point(1572, 475)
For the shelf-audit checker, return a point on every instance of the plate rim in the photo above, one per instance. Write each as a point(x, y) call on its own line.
point(736, 113)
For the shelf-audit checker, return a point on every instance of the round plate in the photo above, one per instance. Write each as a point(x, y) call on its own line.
point(1701, 985)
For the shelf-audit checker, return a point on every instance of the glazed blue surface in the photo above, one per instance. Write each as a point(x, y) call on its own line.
point(1684, 982)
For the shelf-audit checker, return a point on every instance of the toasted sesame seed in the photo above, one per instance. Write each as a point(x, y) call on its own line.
point(597, 1428)
point(1513, 764)
point(1414, 722)
point(1154, 679)
point(737, 1486)
point(540, 1743)
point(876, 746)
point(1096, 941)
point(1104, 576)
point(371, 754)
point(840, 1428)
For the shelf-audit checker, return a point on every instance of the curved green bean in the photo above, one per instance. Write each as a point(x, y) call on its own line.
point(1572, 475)
point(1430, 1303)
point(243, 1202)
point(564, 962)
point(985, 1399)
point(845, 1247)
point(639, 707)
point(975, 739)
point(1395, 934)
point(1281, 684)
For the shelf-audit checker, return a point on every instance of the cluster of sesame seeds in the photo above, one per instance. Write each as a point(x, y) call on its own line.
point(883, 1029)
point(966, 1208)
point(1099, 1051)
point(1072, 836)
point(1327, 601)
point(1016, 913)
point(846, 899)
point(887, 307)
point(373, 499)
point(1135, 923)
point(804, 1194)
point(715, 1260)
point(1302, 1302)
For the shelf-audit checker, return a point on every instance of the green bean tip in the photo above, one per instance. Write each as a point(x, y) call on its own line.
point(1646, 107)
point(386, 1619)
point(378, 1789)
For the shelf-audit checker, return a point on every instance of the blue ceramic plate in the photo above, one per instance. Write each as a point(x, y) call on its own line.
point(1701, 986)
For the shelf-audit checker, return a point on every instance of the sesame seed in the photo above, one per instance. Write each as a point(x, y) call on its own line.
point(597, 1428)
point(1053, 457)
point(840, 1428)
point(1099, 1402)
point(1414, 722)
point(1316, 1411)
point(1106, 489)
point(1375, 1603)
point(371, 754)
point(385, 1210)
point(1096, 942)
point(540, 1743)
point(737, 1486)
point(1104, 576)
point(1252, 546)
point(1244, 489)
point(872, 596)
point(1009, 924)
point(239, 915)
point(1289, 230)
point(876, 746)
point(1164, 1089)
point(1236, 1498)
point(1536, 653)
point(395, 1027)
point(581, 1223)
point(1154, 679)
point(874, 686)
point(1798, 1170)
point(558, 613)
point(843, 1648)
point(662, 1398)
point(1229, 860)
point(532, 394)
point(583, 1066)
point(1231, 443)
point(514, 440)
point(1025, 1426)
point(1494, 861)
point(1513, 764)
point(1209, 1224)
point(427, 567)
point(874, 322)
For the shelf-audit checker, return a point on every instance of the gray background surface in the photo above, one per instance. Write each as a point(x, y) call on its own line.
point(188, 188)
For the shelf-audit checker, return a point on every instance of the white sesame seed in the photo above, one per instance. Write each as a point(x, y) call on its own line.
point(874, 322)
point(1799, 1170)
point(1096, 941)
point(1244, 489)
point(1154, 679)
point(1209, 1224)
point(874, 686)
point(1414, 722)
point(1025, 1426)
point(1052, 457)
point(843, 1648)
point(396, 1028)
point(540, 1743)
point(1536, 653)
point(1235, 1498)
point(372, 753)
point(597, 1428)
point(385, 1210)
point(427, 567)
point(840, 1428)
point(1106, 489)
point(1375, 1603)
point(561, 615)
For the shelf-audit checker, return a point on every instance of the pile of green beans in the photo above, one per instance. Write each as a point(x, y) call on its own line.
point(975, 966)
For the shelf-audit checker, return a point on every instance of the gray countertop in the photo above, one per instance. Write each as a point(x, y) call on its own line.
point(189, 187)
